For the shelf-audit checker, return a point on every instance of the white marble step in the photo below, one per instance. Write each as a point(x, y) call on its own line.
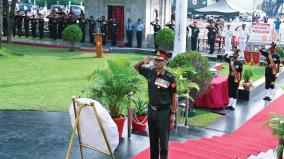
point(264, 155)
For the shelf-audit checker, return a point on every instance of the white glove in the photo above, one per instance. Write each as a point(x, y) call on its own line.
point(267, 47)
point(277, 75)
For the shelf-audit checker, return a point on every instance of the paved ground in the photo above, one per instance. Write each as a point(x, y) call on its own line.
point(45, 135)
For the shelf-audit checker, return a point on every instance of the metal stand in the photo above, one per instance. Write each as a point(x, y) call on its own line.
point(76, 104)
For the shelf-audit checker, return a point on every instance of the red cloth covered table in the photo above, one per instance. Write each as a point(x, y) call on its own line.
point(217, 95)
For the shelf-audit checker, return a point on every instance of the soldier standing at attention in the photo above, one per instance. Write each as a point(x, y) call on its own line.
point(114, 29)
point(19, 23)
point(34, 24)
point(82, 24)
point(61, 15)
point(139, 27)
point(40, 26)
point(103, 27)
point(157, 27)
point(234, 78)
point(129, 32)
point(92, 25)
point(272, 64)
point(212, 31)
point(194, 35)
point(162, 102)
point(27, 23)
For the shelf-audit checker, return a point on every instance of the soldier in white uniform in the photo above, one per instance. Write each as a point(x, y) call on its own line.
point(244, 37)
point(228, 34)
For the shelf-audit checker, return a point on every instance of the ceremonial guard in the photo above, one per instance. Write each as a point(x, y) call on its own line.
point(129, 32)
point(139, 27)
point(40, 26)
point(244, 37)
point(162, 105)
point(228, 35)
point(92, 25)
point(157, 27)
point(34, 25)
point(27, 23)
point(114, 29)
point(234, 78)
point(272, 64)
point(194, 35)
point(103, 28)
point(82, 24)
point(60, 18)
point(212, 31)
point(19, 23)
point(171, 25)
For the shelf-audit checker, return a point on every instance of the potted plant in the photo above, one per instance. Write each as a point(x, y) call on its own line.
point(72, 33)
point(276, 123)
point(111, 87)
point(140, 119)
point(185, 86)
point(247, 77)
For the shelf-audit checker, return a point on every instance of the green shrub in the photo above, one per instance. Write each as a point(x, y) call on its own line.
point(280, 52)
point(111, 86)
point(140, 106)
point(200, 73)
point(247, 75)
point(72, 33)
point(165, 39)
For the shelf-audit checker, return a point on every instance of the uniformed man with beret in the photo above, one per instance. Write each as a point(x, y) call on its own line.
point(157, 27)
point(162, 102)
point(40, 26)
point(234, 78)
point(272, 64)
point(27, 24)
point(34, 25)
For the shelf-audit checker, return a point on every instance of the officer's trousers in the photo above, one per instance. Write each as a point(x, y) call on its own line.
point(34, 32)
point(233, 87)
point(158, 125)
point(211, 42)
point(129, 38)
point(139, 38)
point(193, 43)
point(269, 79)
point(113, 39)
point(27, 31)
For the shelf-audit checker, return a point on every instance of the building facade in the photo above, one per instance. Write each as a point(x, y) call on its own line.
point(121, 10)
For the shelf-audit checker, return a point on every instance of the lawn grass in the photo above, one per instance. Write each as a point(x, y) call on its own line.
point(45, 79)
point(37, 78)
point(200, 119)
point(258, 71)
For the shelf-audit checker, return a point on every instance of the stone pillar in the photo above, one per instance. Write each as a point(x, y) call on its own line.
point(180, 27)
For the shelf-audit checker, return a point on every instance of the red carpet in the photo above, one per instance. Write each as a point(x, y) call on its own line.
point(250, 139)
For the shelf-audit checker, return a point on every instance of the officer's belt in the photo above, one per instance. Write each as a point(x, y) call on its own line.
point(159, 108)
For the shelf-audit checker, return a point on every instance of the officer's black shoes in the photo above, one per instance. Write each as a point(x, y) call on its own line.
point(230, 107)
point(267, 98)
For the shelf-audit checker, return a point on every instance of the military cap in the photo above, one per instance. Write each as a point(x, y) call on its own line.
point(161, 55)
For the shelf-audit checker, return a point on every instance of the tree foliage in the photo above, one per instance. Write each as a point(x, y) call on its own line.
point(196, 69)
point(165, 39)
point(72, 33)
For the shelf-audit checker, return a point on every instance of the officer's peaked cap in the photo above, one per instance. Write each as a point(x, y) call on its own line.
point(161, 55)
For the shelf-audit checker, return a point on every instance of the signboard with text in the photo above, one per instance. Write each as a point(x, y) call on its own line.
point(261, 28)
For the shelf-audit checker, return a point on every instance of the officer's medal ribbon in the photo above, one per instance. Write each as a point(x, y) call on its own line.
point(162, 83)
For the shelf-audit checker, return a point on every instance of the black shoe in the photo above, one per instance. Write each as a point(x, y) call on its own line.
point(269, 98)
point(266, 98)
point(230, 107)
